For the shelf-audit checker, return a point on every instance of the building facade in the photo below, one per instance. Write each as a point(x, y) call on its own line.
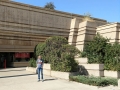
point(83, 32)
point(23, 26)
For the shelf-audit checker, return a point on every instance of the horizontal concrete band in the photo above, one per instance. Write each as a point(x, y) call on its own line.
point(74, 29)
point(20, 64)
point(93, 66)
point(81, 60)
point(16, 50)
point(73, 34)
point(42, 10)
point(33, 18)
point(82, 28)
point(114, 74)
point(11, 48)
point(108, 32)
point(20, 39)
point(99, 73)
point(29, 26)
point(108, 26)
point(63, 75)
point(39, 9)
point(42, 32)
point(23, 34)
point(86, 33)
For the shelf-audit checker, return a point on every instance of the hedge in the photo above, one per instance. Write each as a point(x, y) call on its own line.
point(95, 81)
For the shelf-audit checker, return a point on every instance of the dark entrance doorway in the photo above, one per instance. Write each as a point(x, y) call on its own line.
point(12, 59)
point(8, 57)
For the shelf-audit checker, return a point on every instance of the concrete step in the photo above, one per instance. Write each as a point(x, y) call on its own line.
point(82, 60)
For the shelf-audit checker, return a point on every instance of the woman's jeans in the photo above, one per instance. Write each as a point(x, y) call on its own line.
point(40, 71)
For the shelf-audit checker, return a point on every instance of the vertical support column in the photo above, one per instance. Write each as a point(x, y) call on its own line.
point(118, 31)
point(86, 32)
point(73, 31)
point(5, 64)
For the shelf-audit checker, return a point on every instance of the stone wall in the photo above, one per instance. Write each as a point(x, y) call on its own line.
point(111, 31)
point(82, 32)
point(23, 26)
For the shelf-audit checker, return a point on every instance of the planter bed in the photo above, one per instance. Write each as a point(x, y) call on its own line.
point(93, 66)
point(114, 74)
point(92, 69)
point(31, 69)
point(63, 75)
point(46, 69)
point(82, 60)
point(57, 74)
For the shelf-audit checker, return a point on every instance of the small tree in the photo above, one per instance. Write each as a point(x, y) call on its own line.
point(56, 51)
point(112, 57)
point(50, 5)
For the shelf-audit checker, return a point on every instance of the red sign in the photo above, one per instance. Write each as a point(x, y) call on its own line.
point(25, 55)
point(17, 55)
point(22, 55)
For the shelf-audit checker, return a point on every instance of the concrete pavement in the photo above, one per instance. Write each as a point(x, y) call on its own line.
point(19, 79)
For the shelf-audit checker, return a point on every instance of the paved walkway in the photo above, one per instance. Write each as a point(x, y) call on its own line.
point(19, 79)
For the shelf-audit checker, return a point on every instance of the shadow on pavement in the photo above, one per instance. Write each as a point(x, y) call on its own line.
point(49, 79)
point(17, 75)
point(12, 70)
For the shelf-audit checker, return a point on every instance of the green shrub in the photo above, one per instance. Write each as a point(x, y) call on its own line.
point(112, 57)
point(41, 49)
point(51, 44)
point(32, 62)
point(65, 60)
point(100, 50)
point(95, 81)
point(83, 54)
point(56, 51)
point(95, 49)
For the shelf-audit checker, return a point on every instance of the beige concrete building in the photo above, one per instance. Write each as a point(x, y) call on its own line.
point(111, 31)
point(23, 26)
point(82, 32)
point(85, 31)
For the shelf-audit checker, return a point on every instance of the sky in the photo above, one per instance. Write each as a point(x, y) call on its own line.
point(104, 9)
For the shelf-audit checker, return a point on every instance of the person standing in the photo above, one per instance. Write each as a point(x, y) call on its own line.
point(39, 65)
